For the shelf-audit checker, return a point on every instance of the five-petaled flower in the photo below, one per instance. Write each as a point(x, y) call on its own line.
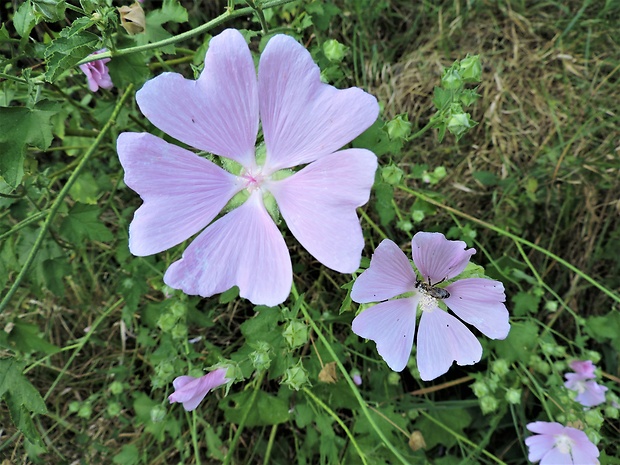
point(589, 393)
point(555, 444)
point(304, 122)
point(190, 391)
point(442, 338)
point(97, 73)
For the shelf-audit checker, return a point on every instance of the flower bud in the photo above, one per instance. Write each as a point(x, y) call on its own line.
point(295, 333)
point(334, 51)
point(399, 127)
point(488, 404)
point(500, 367)
point(393, 379)
point(470, 69)
point(513, 396)
point(459, 123)
point(296, 377)
point(594, 419)
point(392, 174)
point(261, 357)
point(451, 79)
point(132, 18)
point(116, 388)
point(158, 413)
point(480, 389)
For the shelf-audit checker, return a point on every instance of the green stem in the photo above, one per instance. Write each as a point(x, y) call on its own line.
point(322, 404)
point(272, 438)
point(61, 196)
point(195, 439)
point(23, 223)
point(461, 438)
point(515, 238)
point(233, 444)
point(348, 379)
point(428, 126)
point(185, 35)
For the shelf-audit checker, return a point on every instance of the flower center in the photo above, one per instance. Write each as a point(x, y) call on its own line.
point(427, 303)
point(563, 443)
point(580, 387)
point(253, 179)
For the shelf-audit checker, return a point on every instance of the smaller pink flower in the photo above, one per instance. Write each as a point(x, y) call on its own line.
point(442, 338)
point(190, 391)
point(97, 73)
point(357, 379)
point(589, 393)
point(555, 444)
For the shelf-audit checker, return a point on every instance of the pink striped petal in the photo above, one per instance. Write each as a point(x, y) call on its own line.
point(391, 325)
point(243, 248)
point(217, 113)
point(182, 192)
point(303, 118)
point(538, 446)
point(583, 451)
point(479, 302)
point(556, 457)
point(389, 275)
point(318, 204)
point(443, 339)
point(191, 391)
point(438, 258)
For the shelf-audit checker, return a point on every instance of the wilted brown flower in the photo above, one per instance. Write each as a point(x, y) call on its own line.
point(132, 18)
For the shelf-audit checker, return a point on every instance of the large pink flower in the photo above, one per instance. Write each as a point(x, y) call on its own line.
point(97, 73)
point(442, 338)
point(555, 444)
point(304, 122)
point(190, 391)
point(589, 393)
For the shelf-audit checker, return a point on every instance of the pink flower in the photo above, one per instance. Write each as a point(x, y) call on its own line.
point(97, 73)
point(560, 445)
point(190, 391)
point(304, 122)
point(590, 393)
point(442, 338)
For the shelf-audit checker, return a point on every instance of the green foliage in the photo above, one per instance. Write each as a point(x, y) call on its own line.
point(21, 398)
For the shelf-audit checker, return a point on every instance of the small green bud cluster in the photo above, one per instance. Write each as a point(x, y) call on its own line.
point(172, 321)
point(296, 377)
point(295, 333)
point(261, 357)
point(452, 97)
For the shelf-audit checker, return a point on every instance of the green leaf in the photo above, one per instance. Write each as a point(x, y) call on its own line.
point(25, 338)
point(77, 26)
point(384, 193)
point(525, 303)
point(24, 19)
point(267, 409)
point(21, 397)
point(455, 419)
point(65, 52)
point(21, 127)
point(171, 11)
point(49, 10)
point(605, 328)
point(129, 69)
point(82, 223)
point(129, 455)
point(519, 344)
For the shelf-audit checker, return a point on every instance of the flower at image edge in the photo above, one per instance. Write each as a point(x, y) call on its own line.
point(554, 444)
point(190, 391)
point(304, 122)
point(97, 73)
point(442, 338)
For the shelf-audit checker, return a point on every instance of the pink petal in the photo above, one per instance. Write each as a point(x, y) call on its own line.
point(318, 204)
point(303, 118)
point(479, 302)
point(182, 192)
point(389, 275)
point(584, 368)
point(243, 248)
point(391, 325)
point(443, 339)
point(593, 395)
point(583, 450)
point(538, 446)
point(438, 258)
point(217, 113)
point(555, 457)
point(191, 391)
point(545, 427)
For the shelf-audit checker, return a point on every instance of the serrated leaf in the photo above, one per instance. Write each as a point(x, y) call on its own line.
point(77, 26)
point(24, 19)
point(65, 52)
point(21, 127)
point(21, 397)
point(83, 222)
point(49, 10)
